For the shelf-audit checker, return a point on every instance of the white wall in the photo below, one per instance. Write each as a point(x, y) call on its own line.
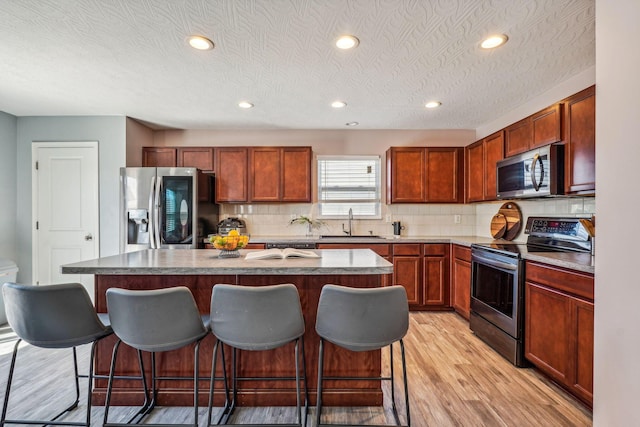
point(8, 130)
point(110, 134)
point(617, 292)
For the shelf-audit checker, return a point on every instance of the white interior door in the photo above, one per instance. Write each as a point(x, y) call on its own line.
point(65, 208)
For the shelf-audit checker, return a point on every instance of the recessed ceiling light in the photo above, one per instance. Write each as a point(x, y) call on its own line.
point(245, 104)
point(352, 124)
point(494, 41)
point(347, 42)
point(200, 43)
point(338, 104)
point(433, 104)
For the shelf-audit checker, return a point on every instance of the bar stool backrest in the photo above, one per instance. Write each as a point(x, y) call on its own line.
point(155, 320)
point(52, 316)
point(362, 319)
point(256, 317)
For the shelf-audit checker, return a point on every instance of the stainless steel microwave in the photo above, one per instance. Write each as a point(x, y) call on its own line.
point(536, 173)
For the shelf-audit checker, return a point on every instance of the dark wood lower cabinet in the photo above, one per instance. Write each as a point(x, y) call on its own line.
point(461, 280)
point(257, 364)
point(423, 270)
point(559, 326)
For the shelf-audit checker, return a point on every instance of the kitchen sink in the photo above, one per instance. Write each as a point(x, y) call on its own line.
point(353, 236)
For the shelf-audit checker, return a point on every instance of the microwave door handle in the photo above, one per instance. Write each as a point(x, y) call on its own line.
point(536, 184)
point(152, 221)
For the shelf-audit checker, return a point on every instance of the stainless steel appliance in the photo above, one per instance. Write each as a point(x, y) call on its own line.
point(159, 208)
point(294, 245)
point(536, 173)
point(497, 281)
point(228, 224)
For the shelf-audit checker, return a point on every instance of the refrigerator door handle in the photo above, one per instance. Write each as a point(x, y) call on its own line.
point(152, 221)
point(156, 211)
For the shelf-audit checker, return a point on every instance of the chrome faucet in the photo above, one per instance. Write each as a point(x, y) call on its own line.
point(348, 232)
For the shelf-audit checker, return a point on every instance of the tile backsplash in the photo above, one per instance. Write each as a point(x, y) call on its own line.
point(418, 219)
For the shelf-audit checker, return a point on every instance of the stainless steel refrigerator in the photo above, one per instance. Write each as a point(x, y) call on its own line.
point(160, 209)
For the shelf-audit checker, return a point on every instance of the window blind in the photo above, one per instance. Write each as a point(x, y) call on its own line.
point(349, 182)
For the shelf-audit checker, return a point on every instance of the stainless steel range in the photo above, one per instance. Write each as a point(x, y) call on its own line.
point(497, 281)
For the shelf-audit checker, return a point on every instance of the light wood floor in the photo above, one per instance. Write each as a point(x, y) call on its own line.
point(454, 380)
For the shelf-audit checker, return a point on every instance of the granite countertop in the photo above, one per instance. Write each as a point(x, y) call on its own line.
point(574, 261)
point(198, 262)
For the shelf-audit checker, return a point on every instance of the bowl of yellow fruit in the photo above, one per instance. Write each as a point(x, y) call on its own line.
point(230, 243)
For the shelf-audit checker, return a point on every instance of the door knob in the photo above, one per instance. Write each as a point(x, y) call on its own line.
point(88, 237)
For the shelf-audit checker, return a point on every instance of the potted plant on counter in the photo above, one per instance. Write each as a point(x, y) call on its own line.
point(310, 224)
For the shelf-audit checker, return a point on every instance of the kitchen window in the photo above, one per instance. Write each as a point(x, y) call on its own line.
point(349, 182)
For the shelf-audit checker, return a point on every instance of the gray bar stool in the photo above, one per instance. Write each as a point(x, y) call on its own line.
point(53, 317)
point(254, 318)
point(154, 321)
point(363, 320)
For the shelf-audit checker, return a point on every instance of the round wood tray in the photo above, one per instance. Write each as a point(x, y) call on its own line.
point(513, 219)
point(498, 225)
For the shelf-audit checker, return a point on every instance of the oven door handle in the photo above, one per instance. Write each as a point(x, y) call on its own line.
point(495, 263)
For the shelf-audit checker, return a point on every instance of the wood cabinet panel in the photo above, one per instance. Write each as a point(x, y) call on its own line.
point(580, 142)
point(435, 269)
point(231, 165)
point(159, 157)
point(410, 249)
point(195, 157)
point(406, 175)
point(296, 174)
point(475, 171)
point(407, 273)
point(583, 383)
point(569, 281)
point(461, 280)
point(445, 175)
point(559, 326)
point(493, 152)
point(547, 330)
point(518, 137)
point(481, 159)
point(280, 174)
point(265, 168)
point(547, 126)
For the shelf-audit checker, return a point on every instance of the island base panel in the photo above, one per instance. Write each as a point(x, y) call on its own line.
point(278, 362)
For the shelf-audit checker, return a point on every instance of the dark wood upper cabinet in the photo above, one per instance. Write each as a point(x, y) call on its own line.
point(518, 137)
point(296, 174)
point(481, 159)
point(425, 175)
point(159, 157)
point(541, 128)
point(231, 165)
point(547, 126)
point(265, 169)
point(196, 157)
point(406, 175)
point(580, 142)
point(445, 175)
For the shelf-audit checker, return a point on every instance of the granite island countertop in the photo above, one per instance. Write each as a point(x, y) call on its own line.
point(202, 262)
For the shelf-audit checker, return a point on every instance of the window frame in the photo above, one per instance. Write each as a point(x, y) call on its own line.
point(377, 201)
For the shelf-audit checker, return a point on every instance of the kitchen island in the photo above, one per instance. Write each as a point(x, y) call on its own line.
point(200, 270)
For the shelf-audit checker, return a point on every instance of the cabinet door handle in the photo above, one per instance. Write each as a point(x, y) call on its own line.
point(88, 237)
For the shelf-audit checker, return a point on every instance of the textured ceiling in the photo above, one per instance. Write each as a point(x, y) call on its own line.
point(130, 57)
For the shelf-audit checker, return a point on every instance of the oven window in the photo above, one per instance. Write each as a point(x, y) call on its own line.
point(494, 287)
